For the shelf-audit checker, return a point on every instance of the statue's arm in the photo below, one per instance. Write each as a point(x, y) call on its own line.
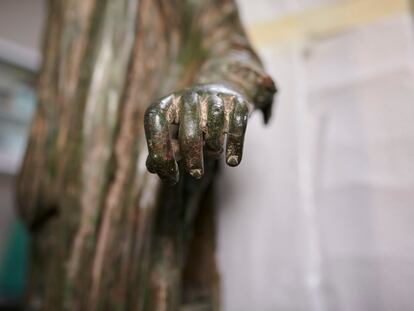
point(230, 84)
point(231, 59)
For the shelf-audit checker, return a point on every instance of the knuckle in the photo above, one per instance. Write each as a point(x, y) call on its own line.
point(241, 105)
point(217, 107)
point(239, 120)
point(190, 98)
point(151, 113)
point(215, 110)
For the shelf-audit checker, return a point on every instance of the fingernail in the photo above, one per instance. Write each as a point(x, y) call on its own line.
point(196, 173)
point(233, 160)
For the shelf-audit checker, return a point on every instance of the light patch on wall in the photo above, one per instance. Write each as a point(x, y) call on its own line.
point(324, 20)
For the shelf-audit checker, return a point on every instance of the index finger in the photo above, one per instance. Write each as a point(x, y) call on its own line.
point(160, 150)
point(237, 128)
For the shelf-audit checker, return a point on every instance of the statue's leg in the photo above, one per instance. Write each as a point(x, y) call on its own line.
point(201, 281)
point(183, 269)
point(164, 282)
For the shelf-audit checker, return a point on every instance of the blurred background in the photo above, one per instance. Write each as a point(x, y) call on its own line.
point(320, 214)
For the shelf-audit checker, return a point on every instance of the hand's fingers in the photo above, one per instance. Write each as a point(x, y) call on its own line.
point(237, 128)
point(190, 135)
point(215, 123)
point(161, 154)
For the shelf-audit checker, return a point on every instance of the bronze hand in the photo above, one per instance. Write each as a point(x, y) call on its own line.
point(204, 114)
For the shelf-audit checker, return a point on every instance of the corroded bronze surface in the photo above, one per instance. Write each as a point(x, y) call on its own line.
point(203, 114)
point(106, 233)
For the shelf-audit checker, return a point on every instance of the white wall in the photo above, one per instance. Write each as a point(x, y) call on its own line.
point(319, 214)
point(21, 30)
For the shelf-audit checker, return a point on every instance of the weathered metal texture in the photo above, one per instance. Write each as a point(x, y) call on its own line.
point(106, 233)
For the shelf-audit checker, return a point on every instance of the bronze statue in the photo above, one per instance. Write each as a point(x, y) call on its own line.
point(106, 234)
